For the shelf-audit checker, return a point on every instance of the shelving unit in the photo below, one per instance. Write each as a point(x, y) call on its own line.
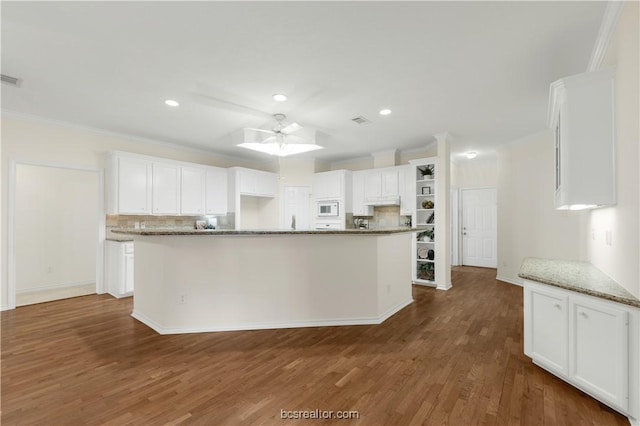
point(424, 216)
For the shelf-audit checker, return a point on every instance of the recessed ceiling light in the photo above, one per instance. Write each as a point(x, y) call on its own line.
point(279, 97)
point(471, 154)
point(385, 111)
point(172, 103)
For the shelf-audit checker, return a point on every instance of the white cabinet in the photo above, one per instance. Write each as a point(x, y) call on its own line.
point(132, 178)
point(581, 114)
point(585, 341)
point(215, 191)
point(192, 190)
point(381, 183)
point(119, 268)
point(329, 185)
point(405, 180)
point(549, 322)
point(165, 188)
point(599, 346)
point(359, 208)
point(256, 182)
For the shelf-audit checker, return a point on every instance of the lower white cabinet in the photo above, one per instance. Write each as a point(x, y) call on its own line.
point(119, 270)
point(586, 341)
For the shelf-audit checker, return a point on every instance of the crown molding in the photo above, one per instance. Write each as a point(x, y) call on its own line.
point(106, 133)
point(607, 27)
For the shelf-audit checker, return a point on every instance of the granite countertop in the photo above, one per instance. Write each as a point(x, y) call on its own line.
point(581, 277)
point(168, 231)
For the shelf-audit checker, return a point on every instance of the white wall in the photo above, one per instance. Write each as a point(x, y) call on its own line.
point(30, 140)
point(474, 173)
point(528, 224)
point(56, 222)
point(621, 260)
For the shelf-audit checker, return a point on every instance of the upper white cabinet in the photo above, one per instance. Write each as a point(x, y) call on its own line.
point(192, 190)
point(359, 208)
point(329, 185)
point(165, 188)
point(131, 185)
point(406, 191)
point(139, 184)
point(255, 182)
point(381, 183)
point(581, 114)
point(216, 190)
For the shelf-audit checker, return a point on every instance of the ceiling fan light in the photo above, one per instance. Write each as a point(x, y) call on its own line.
point(279, 97)
point(279, 149)
point(471, 154)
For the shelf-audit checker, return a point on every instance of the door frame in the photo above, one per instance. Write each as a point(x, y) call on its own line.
point(11, 237)
point(283, 220)
point(458, 235)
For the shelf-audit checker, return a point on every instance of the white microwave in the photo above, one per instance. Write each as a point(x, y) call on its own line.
point(328, 208)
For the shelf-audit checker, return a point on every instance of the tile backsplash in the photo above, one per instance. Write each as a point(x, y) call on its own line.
point(386, 217)
point(115, 221)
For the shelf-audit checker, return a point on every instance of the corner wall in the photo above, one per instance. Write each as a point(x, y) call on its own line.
point(528, 224)
point(621, 259)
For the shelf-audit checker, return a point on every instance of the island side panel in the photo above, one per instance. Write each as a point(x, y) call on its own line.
point(254, 282)
point(394, 265)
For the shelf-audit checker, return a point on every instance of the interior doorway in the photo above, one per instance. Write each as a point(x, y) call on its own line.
point(479, 227)
point(55, 238)
point(296, 201)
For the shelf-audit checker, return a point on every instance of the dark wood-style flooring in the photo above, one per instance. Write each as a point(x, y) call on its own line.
point(452, 357)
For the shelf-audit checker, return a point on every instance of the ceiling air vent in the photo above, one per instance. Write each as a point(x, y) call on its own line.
point(10, 80)
point(361, 120)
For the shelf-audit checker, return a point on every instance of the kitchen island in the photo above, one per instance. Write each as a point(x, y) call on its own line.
point(190, 281)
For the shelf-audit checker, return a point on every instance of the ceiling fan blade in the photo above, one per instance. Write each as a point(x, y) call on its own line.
point(257, 135)
point(298, 139)
point(290, 128)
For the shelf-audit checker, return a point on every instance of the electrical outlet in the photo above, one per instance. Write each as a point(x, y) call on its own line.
point(388, 289)
point(607, 237)
point(50, 270)
point(182, 299)
point(136, 225)
point(142, 225)
point(593, 234)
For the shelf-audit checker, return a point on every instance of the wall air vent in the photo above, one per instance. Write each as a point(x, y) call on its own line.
point(361, 120)
point(10, 80)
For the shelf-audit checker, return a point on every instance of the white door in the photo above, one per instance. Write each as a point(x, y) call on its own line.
point(296, 201)
point(479, 235)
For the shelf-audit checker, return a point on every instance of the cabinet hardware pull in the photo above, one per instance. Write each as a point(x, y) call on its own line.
point(583, 314)
point(557, 305)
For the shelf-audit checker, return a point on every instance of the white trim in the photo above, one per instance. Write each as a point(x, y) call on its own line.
point(607, 28)
point(101, 132)
point(55, 286)
point(444, 287)
point(509, 280)
point(272, 325)
point(11, 242)
point(461, 207)
point(455, 226)
point(633, 422)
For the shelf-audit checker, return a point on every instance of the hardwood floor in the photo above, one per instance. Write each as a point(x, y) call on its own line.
point(451, 357)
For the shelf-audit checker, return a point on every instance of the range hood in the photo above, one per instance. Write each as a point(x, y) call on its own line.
point(382, 201)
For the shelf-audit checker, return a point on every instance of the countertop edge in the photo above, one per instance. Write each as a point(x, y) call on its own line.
point(232, 232)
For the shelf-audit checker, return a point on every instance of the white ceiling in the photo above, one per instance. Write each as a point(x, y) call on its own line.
point(479, 70)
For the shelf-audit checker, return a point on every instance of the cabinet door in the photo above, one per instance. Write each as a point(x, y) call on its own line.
point(328, 185)
point(549, 330)
point(247, 182)
point(133, 186)
point(192, 190)
point(165, 180)
point(599, 348)
point(216, 191)
point(407, 193)
point(359, 208)
point(267, 184)
point(389, 183)
point(372, 184)
point(128, 268)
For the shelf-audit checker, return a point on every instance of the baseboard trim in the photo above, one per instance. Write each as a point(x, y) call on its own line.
point(269, 326)
point(5, 308)
point(444, 287)
point(56, 286)
point(509, 280)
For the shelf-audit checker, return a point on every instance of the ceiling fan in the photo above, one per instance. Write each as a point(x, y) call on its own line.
point(281, 140)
